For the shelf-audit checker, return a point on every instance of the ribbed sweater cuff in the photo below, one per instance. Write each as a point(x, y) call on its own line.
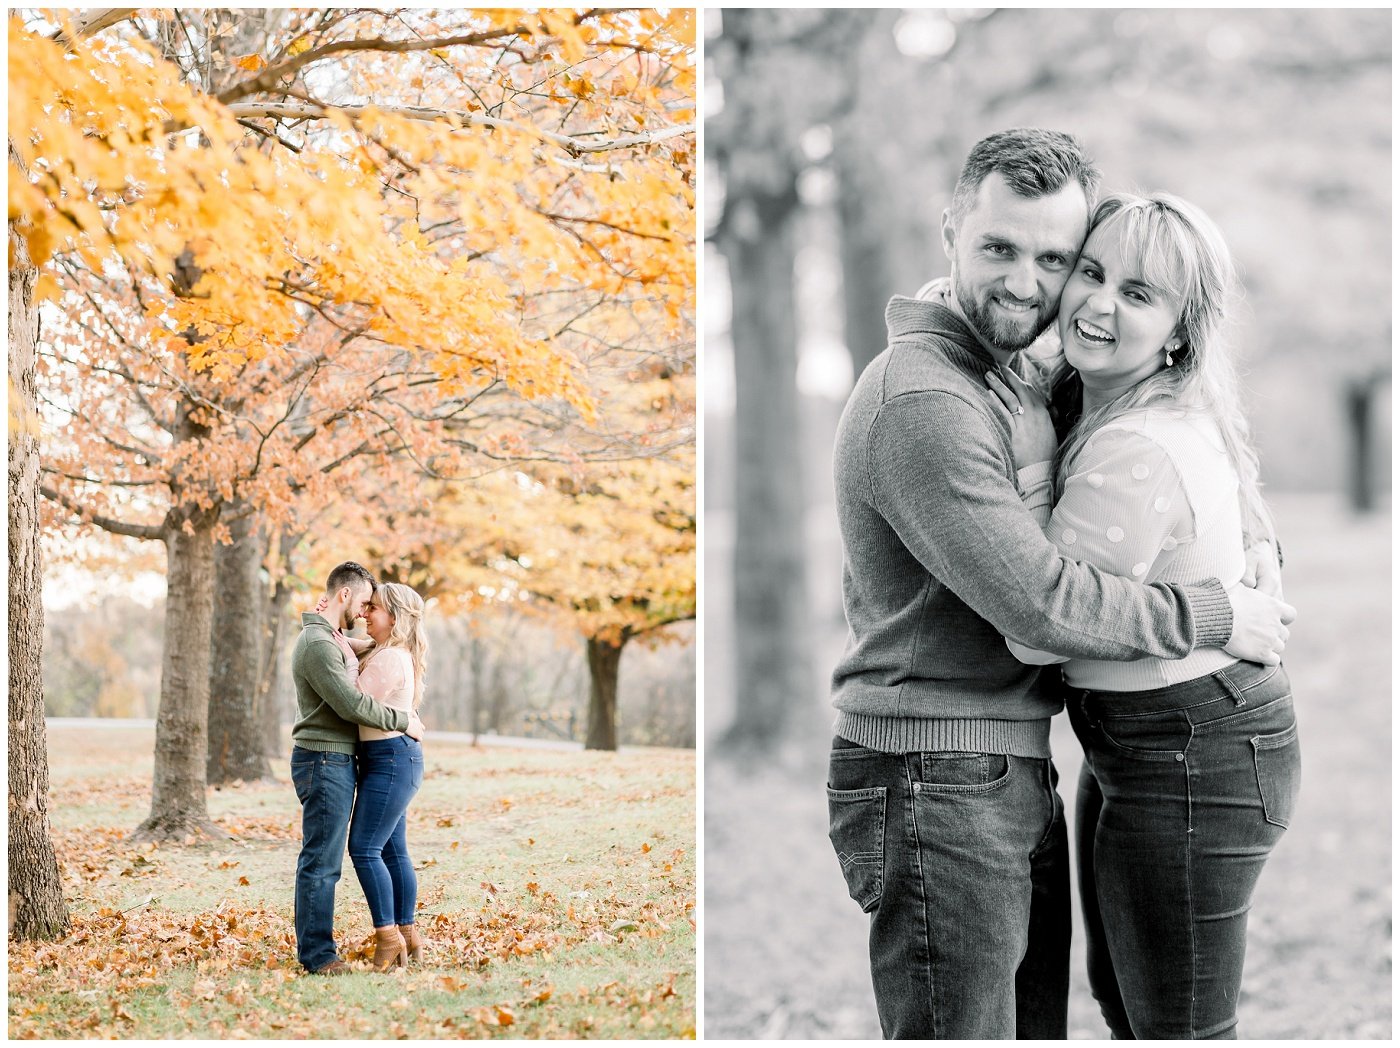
point(1211, 613)
point(1018, 738)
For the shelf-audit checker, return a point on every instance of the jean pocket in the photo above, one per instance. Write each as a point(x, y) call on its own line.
point(963, 772)
point(1157, 736)
point(857, 833)
point(1278, 766)
point(303, 774)
point(331, 757)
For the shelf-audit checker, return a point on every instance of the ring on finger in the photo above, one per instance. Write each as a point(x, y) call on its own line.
point(1019, 410)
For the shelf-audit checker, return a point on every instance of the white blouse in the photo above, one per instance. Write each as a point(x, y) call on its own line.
point(1151, 496)
point(387, 678)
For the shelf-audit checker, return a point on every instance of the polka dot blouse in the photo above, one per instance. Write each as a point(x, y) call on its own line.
point(1151, 496)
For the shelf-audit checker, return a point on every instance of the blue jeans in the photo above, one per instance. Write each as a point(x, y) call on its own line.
point(1185, 791)
point(391, 771)
point(962, 862)
point(325, 785)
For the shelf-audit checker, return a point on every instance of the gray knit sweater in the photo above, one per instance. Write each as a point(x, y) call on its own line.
point(941, 561)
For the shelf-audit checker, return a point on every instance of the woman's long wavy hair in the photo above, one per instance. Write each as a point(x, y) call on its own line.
point(406, 606)
point(1181, 250)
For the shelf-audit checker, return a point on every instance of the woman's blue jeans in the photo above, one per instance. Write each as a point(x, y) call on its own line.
point(1184, 792)
point(390, 773)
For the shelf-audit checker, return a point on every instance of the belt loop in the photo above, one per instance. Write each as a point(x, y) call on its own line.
point(1231, 687)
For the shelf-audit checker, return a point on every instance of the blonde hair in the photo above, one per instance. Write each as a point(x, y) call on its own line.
point(406, 607)
point(1182, 251)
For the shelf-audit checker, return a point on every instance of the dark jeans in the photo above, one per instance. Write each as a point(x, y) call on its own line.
point(325, 785)
point(962, 862)
point(1184, 792)
point(391, 771)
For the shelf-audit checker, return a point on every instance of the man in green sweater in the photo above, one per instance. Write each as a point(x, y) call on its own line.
point(329, 711)
point(942, 797)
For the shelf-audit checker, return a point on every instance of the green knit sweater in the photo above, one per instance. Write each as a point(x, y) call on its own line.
point(329, 709)
point(942, 560)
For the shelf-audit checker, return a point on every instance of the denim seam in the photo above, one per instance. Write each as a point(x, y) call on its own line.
point(913, 823)
point(1050, 827)
point(1191, 885)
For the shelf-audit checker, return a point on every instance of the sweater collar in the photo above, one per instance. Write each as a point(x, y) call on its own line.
point(913, 316)
point(313, 618)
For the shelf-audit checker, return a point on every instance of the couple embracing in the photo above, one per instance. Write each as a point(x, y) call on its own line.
point(1021, 538)
point(357, 761)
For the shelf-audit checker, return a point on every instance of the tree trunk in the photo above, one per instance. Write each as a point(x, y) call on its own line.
point(236, 735)
point(179, 806)
point(604, 657)
point(269, 702)
point(37, 909)
point(1361, 486)
point(500, 697)
point(773, 667)
point(478, 672)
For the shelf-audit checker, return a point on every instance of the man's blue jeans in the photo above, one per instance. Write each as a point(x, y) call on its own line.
point(1184, 793)
point(391, 771)
point(962, 862)
point(325, 785)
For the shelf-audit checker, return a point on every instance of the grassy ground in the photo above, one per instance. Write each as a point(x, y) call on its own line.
point(785, 949)
point(556, 895)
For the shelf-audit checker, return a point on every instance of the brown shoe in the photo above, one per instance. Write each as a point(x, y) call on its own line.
point(336, 967)
point(390, 950)
point(415, 944)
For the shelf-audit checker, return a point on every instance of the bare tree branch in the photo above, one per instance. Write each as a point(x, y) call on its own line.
point(574, 145)
point(92, 22)
point(116, 527)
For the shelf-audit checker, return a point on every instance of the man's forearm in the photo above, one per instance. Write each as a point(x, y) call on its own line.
point(353, 705)
point(947, 495)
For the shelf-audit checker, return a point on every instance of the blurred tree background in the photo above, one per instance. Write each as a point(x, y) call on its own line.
point(833, 140)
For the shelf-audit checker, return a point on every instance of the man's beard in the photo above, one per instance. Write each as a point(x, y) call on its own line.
point(347, 620)
point(998, 329)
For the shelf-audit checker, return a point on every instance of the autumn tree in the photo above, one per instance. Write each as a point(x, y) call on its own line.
point(591, 525)
point(37, 909)
point(209, 232)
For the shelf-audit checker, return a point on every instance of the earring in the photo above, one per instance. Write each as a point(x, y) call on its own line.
point(1171, 349)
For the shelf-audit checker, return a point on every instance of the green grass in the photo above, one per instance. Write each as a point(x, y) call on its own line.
point(556, 895)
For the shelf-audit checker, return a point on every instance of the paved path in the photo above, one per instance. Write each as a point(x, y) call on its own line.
point(509, 741)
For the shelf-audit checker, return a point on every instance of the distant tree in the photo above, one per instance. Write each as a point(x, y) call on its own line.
point(774, 68)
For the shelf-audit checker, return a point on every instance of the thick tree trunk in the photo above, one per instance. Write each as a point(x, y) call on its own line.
point(604, 658)
point(269, 699)
point(237, 740)
point(37, 909)
point(866, 278)
point(179, 806)
point(773, 669)
point(270, 702)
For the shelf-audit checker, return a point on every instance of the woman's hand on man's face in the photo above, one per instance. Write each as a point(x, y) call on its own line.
point(1032, 433)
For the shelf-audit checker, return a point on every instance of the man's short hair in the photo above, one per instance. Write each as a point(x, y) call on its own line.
point(349, 574)
point(1034, 162)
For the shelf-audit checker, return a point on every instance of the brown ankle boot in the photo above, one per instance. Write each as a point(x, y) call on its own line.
point(415, 944)
point(390, 950)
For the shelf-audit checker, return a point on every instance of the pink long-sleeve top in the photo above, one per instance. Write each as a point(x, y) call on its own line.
point(1152, 496)
point(387, 677)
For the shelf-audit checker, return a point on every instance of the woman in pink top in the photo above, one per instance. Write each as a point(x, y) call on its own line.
point(1191, 767)
point(389, 773)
